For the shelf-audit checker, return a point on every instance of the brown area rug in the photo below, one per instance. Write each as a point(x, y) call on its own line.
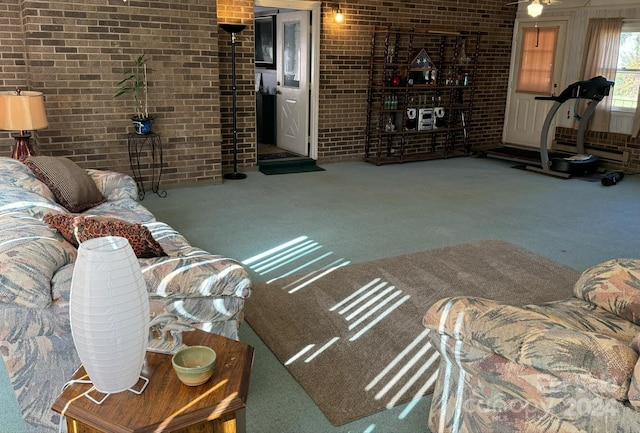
point(354, 338)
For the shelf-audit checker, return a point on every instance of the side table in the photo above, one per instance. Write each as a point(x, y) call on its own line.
point(167, 405)
point(136, 144)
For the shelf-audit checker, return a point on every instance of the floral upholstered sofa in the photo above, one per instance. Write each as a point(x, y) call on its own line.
point(565, 366)
point(36, 265)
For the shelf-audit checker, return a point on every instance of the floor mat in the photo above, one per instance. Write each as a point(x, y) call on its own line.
point(300, 165)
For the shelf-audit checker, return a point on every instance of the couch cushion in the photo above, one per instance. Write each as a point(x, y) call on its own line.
point(613, 285)
point(38, 369)
point(79, 228)
point(634, 387)
point(593, 361)
point(30, 255)
point(72, 186)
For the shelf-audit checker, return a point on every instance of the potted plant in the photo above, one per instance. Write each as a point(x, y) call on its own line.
point(135, 82)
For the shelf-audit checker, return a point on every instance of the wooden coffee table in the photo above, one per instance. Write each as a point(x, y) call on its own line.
point(167, 405)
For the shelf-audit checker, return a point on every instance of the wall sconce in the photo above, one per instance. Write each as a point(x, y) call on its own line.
point(534, 9)
point(338, 17)
point(22, 111)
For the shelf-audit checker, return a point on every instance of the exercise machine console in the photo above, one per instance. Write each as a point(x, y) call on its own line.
point(594, 89)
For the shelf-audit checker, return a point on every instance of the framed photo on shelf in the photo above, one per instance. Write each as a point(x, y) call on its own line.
point(265, 28)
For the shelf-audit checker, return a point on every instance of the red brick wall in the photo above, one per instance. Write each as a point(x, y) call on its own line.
point(345, 53)
point(621, 146)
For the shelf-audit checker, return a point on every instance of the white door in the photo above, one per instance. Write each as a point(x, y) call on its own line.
point(536, 70)
point(292, 81)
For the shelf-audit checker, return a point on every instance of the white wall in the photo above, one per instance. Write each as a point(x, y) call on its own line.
point(578, 13)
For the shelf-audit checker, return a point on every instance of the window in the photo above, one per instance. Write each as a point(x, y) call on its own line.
point(627, 82)
point(537, 58)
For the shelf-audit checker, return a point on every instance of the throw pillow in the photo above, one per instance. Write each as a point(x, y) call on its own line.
point(70, 184)
point(79, 228)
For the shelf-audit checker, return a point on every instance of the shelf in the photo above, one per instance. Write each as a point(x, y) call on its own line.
point(444, 52)
point(424, 156)
point(420, 87)
point(418, 132)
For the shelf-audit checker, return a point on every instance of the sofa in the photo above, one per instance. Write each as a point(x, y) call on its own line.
point(48, 205)
point(564, 366)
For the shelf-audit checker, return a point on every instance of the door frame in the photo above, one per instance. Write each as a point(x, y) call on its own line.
point(515, 56)
point(314, 76)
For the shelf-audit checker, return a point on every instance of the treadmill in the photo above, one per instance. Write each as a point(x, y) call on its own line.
point(593, 89)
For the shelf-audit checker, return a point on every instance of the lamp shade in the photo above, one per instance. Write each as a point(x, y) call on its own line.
point(109, 313)
point(23, 111)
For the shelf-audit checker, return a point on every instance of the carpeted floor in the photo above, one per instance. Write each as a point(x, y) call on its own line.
point(352, 335)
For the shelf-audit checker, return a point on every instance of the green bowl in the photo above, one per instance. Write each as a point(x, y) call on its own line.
point(194, 365)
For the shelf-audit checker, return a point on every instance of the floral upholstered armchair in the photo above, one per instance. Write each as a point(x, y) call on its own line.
point(562, 366)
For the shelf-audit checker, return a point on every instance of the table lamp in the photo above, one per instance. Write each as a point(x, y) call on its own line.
point(22, 111)
point(109, 314)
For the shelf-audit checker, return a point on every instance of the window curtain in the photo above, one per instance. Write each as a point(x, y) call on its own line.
point(636, 120)
point(537, 59)
point(602, 45)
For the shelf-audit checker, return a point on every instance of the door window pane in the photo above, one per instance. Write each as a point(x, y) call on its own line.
point(537, 59)
point(291, 54)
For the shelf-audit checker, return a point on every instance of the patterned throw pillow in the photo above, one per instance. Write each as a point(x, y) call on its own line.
point(70, 184)
point(79, 228)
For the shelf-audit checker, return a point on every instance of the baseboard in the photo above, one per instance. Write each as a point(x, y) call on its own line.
point(609, 155)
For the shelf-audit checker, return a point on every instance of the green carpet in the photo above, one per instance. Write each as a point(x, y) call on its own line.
point(298, 165)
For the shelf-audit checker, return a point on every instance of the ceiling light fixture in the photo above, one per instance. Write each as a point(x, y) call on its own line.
point(534, 9)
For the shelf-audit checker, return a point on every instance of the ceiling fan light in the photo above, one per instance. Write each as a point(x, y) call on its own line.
point(534, 9)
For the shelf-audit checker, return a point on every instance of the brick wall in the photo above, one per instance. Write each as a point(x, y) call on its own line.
point(619, 151)
point(345, 53)
point(75, 51)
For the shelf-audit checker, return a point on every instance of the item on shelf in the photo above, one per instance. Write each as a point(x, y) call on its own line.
point(412, 119)
point(432, 77)
point(439, 120)
point(389, 126)
point(425, 116)
point(417, 77)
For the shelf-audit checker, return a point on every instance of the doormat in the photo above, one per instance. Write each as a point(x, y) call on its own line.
point(301, 165)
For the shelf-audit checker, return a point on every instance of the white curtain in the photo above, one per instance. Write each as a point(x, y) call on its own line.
point(636, 119)
point(602, 45)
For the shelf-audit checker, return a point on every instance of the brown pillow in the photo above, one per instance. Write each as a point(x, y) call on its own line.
point(79, 228)
point(70, 184)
